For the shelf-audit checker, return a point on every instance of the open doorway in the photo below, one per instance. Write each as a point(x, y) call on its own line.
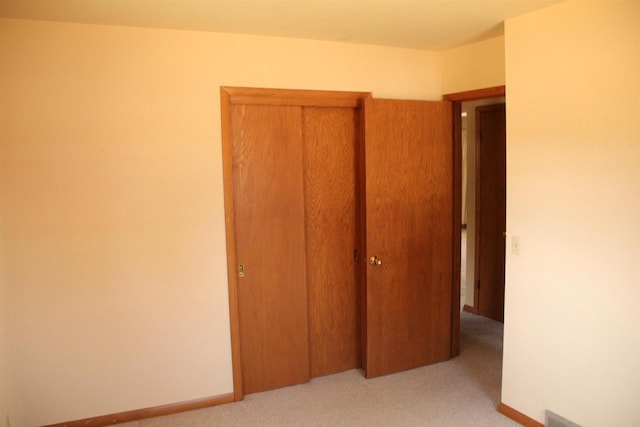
point(463, 288)
point(483, 207)
point(476, 329)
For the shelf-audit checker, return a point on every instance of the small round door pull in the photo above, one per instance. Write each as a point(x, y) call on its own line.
point(374, 260)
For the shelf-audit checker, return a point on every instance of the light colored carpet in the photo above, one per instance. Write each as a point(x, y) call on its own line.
point(461, 392)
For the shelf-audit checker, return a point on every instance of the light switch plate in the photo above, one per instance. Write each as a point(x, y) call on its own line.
point(515, 245)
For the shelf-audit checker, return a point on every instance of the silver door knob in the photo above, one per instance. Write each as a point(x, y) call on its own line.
point(374, 260)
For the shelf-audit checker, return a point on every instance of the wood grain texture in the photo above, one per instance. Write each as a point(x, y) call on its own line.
point(257, 96)
point(490, 210)
point(518, 416)
point(409, 175)
point(472, 95)
point(456, 223)
point(317, 98)
point(230, 237)
point(361, 209)
point(330, 217)
point(270, 241)
point(156, 411)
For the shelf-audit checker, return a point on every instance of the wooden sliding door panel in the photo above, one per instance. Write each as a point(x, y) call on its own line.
point(329, 140)
point(409, 202)
point(268, 194)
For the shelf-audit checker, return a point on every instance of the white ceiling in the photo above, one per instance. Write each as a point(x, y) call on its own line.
point(420, 24)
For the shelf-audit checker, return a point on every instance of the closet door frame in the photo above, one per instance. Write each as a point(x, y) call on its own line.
point(279, 97)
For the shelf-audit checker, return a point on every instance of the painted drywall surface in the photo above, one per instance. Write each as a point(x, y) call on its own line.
point(470, 122)
point(10, 413)
point(6, 391)
point(8, 394)
point(112, 195)
point(473, 66)
point(571, 340)
point(110, 244)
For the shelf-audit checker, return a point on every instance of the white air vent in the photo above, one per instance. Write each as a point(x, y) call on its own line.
point(554, 420)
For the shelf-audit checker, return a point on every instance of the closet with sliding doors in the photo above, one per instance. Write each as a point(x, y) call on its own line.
point(339, 226)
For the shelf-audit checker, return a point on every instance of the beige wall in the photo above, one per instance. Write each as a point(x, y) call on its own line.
point(571, 339)
point(9, 399)
point(473, 66)
point(5, 365)
point(111, 186)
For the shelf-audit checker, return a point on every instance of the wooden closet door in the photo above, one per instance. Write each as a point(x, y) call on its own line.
point(409, 214)
point(330, 205)
point(268, 194)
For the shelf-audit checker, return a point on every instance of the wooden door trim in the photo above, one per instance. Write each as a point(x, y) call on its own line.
point(470, 309)
point(256, 96)
point(518, 416)
point(473, 95)
point(294, 97)
point(144, 413)
point(456, 109)
point(457, 98)
point(361, 209)
point(230, 233)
